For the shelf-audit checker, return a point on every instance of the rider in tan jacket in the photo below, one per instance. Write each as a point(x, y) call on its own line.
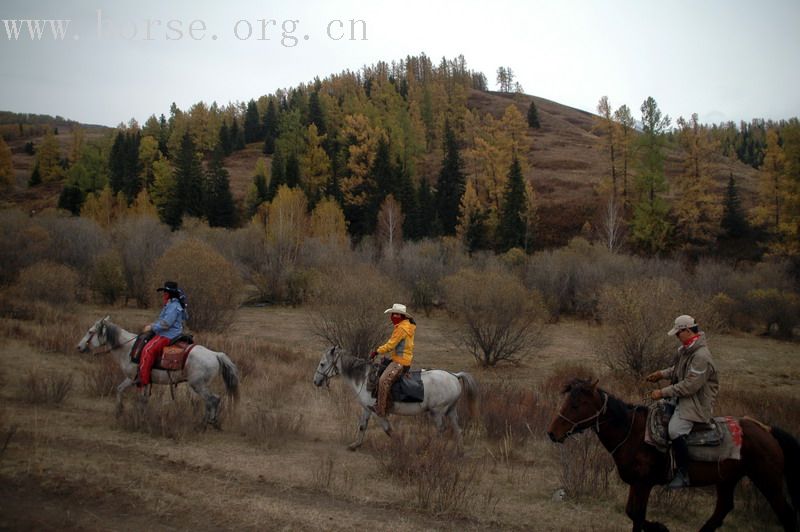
point(695, 384)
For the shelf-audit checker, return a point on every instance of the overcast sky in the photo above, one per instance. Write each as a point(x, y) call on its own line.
point(725, 60)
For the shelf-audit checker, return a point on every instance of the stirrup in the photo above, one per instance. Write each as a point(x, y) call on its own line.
point(680, 480)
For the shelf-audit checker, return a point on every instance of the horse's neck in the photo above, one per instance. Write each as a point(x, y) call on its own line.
point(123, 350)
point(355, 379)
point(617, 434)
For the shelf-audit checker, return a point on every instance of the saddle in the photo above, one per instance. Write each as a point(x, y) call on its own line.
point(407, 389)
point(173, 356)
point(719, 439)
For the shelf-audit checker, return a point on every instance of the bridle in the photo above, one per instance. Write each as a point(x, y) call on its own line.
point(332, 370)
point(595, 416)
point(596, 428)
point(108, 349)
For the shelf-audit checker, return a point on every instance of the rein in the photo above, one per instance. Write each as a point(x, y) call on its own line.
point(108, 348)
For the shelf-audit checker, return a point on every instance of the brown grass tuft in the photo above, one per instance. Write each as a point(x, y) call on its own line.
point(39, 387)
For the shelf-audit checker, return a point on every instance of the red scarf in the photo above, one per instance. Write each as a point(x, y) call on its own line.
point(691, 340)
point(397, 318)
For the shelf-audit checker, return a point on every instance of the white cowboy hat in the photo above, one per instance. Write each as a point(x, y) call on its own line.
point(398, 308)
point(682, 322)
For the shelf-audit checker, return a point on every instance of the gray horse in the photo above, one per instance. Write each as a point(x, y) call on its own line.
point(201, 366)
point(442, 392)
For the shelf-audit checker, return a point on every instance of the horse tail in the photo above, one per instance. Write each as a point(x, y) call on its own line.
point(471, 388)
point(230, 374)
point(791, 463)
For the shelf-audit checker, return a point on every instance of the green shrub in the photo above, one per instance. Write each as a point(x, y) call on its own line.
point(108, 277)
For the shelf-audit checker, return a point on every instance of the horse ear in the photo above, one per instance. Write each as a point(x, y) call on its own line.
point(108, 317)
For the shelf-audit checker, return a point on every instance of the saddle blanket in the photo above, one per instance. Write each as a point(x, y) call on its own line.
point(721, 441)
point(408, 388)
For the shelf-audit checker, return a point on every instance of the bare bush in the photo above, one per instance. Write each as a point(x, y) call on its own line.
point(101, 378)
point(498, 319)
point(108, 276)
point(48, 282)
point(349, 309)
point(212, 285)
point(636, 316)
point(74, 241)
point(40, 387)
point(510, 412)
point(778, 312)
point(264, 426)
point(441, 480)
point(162, 417)
point(424, 264)
point(22, 242)
point(141, 240)
point(586, 467)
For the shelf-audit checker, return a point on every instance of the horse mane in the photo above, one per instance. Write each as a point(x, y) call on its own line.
point(616, 407)
point(353, 366)
point(112, 334)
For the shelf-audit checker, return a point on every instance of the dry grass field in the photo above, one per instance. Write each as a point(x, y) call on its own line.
point(280, 463)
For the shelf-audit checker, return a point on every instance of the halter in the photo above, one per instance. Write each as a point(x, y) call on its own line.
point(333, 370)
point(596, 416)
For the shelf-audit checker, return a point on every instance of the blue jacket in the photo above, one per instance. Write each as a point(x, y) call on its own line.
point(170, 322)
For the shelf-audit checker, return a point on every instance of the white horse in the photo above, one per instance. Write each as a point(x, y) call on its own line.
point(201, 366)
point(442, 392)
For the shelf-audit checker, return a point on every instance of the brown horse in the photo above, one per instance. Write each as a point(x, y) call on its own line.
point(768, 456)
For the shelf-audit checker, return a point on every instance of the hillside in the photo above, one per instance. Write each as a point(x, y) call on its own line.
point(564, 163)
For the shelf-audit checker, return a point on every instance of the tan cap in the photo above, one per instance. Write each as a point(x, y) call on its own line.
point(682, 322)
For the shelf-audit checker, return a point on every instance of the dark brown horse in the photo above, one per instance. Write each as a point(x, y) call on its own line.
point(768, 456)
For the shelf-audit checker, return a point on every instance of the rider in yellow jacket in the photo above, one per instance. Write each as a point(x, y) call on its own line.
point(401, 347)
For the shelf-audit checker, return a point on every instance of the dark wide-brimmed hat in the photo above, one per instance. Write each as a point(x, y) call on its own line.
point(169, 286)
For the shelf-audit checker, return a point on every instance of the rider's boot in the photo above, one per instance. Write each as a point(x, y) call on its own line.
point(680, 450)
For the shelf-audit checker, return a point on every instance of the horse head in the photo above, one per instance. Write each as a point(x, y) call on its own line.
point(96, 336)
point(328, 366)
point(582, 407)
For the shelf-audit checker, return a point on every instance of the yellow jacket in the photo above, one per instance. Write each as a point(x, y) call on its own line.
point(401, 343)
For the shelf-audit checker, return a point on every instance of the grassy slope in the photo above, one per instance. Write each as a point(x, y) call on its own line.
point(72, 466)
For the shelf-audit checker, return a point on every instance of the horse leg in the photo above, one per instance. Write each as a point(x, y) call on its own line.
point(452, 415)
point(363, 421)
point(724, 505)
point(636, 507)
point(124, 385)
point(770, 483)
point(212, 403)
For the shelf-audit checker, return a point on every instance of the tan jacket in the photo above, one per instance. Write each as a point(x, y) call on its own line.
point(694, 381)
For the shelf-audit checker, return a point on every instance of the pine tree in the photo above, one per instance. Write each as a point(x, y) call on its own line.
point(165, 194)
point(189, 178)
point(450, 186)
point(277, 175)
point(627, 124)
point(252, 123)
point(220, 210)
point(48, 159)
point(292, 171)
point(270, 127)
point(533, 116)
point(511, 231)
point(71, 198)
point(316, 115)
point(163, 136)
point(734, 223)
point(224, 139)
point(429, 224)
point(36, 176)
point(237, 136)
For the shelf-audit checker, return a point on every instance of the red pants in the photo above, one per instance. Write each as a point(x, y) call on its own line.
point(149, 354)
